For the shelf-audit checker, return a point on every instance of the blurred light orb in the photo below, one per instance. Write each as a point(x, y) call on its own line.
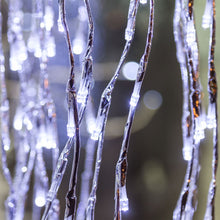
point(143, 1)
point(152, 99)
point(40, 201)
point(78, 46)
point(18, 123)
point(129, 70)
point(24, 169)
point(6, 147)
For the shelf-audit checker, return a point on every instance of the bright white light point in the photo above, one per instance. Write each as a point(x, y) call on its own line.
point(17, 124)
point(143, 1)
point(2, 68)
point(48, 18)
point(11, 204)
point(187, 156)
point(40, 201)
point(81, 97)
point(6, 147)
point(51, 52)
point(134, 100)
point(124, 206)
point(129, 70)
point(91, 126)
point(211, 120)
point(187, 152)
point(60, 25)
point(24, 169)
point(95, 135)
point(37, 53)
point(14, 65)
point(152, 99)
point(78, 46)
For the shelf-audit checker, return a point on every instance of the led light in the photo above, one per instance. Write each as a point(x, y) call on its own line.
point(60, 25)
point(124, 204)
point(14, 64)
point(211, 120)
point(207, 19)
point(70, 125)
point(81, 97)
point(17, 123)
point(78, 46)
point(98, 128)
point(6, 147)
point(134, 100)
point(187, 149)
point(40, 201)
point(48, 18)
point(190, 34)
point(91, 125)
point(143, 1)
point(51, 47)
point(24, 169)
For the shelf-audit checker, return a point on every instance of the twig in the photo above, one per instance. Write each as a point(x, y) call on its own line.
point(212, 111)
point(121, 200)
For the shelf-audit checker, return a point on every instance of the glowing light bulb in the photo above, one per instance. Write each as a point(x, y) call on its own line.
point(14, 64)
point(6, 147)
point(40, 201)
point(199, 130)
point(70, 125)
point(98, 128)
point(211, 119)
point(124, 204)
point(78, 46)
point(81, 96)
point(134, 99)
point(129, 31)
point(18, 123)
point(190, 34)
point(187, 149)
point(48, 18)
point(91, 125)
point(143, 1)
point(60, 25)
point(24, 169)
point(207, 19)
point(51, 47)
point(51, 140)
point(28, 123)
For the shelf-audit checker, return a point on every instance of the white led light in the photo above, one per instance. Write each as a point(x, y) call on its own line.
point(78, 46)
point(24, 169)
point(143, 1)
point(17, 123)
point(124, 204)
point(40, 201)
point(134, 100)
